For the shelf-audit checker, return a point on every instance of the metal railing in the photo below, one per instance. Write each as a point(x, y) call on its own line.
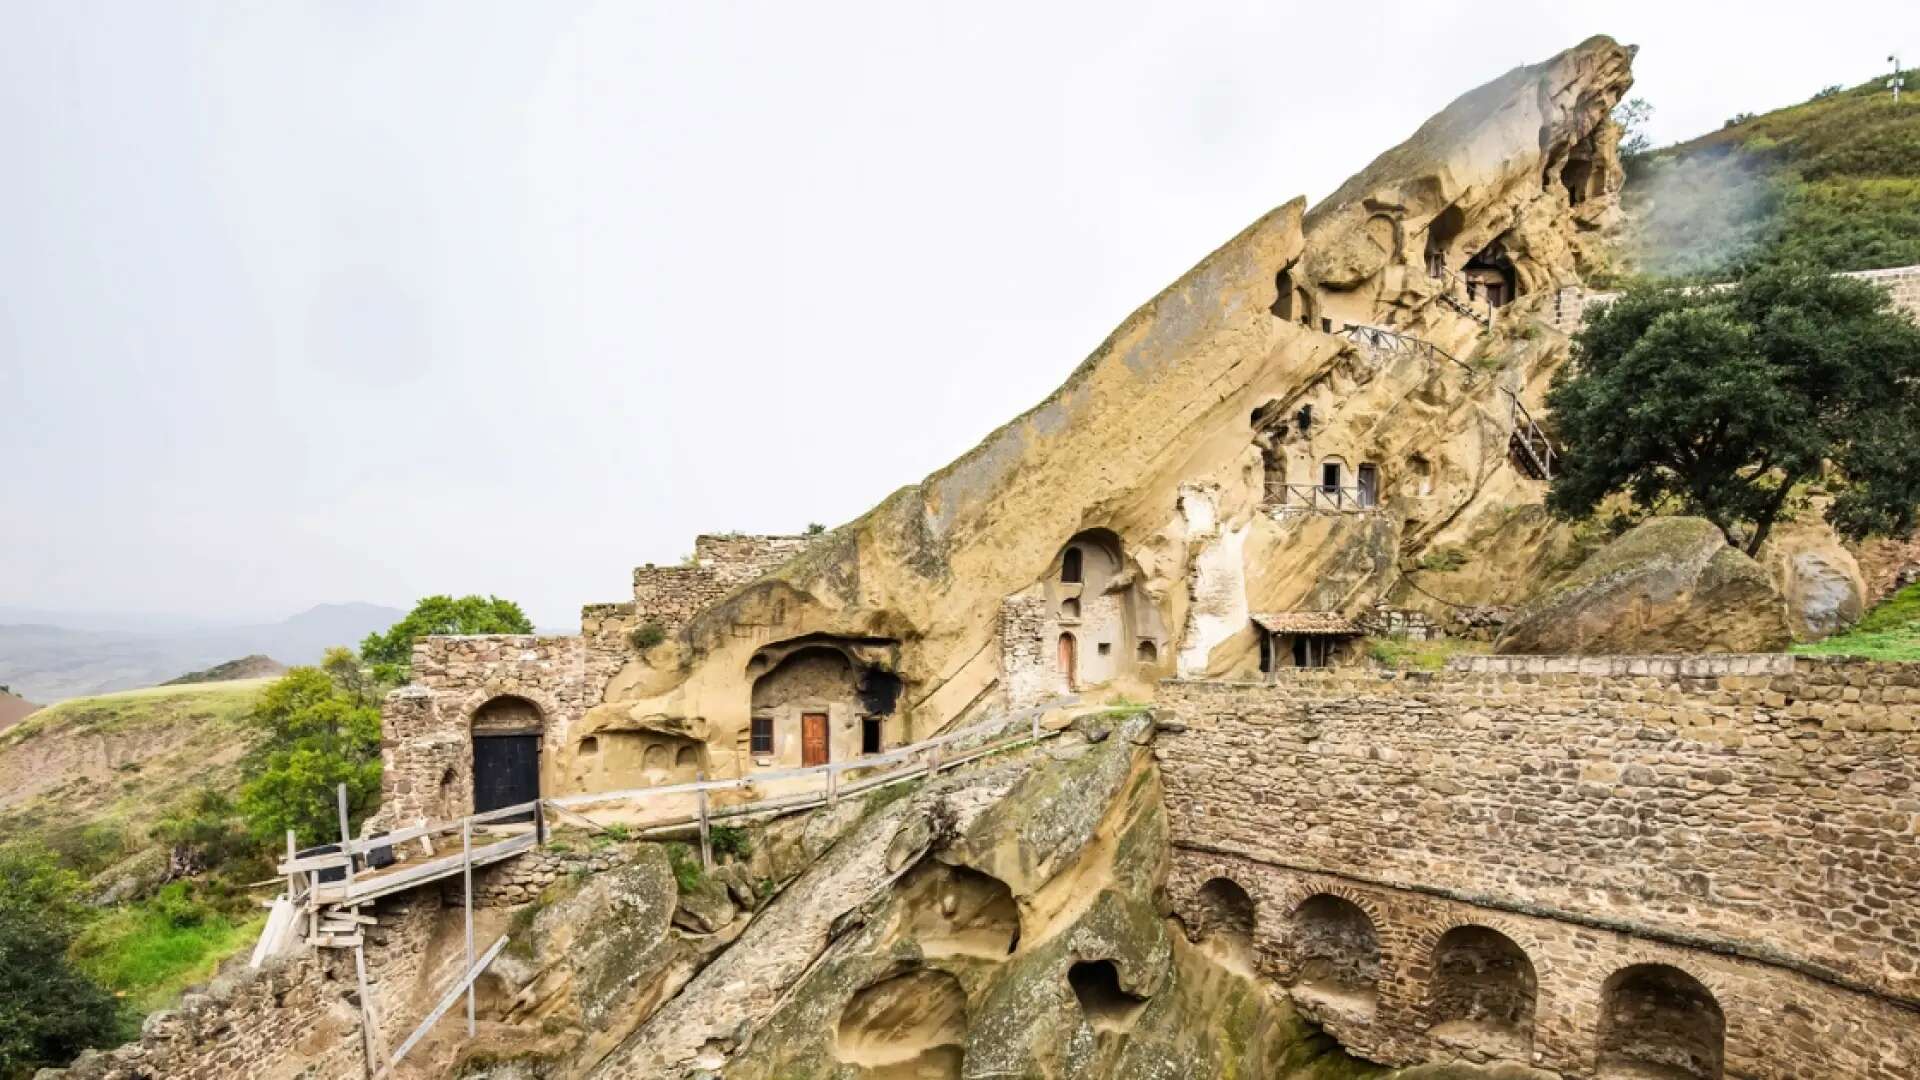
point(1458, 295)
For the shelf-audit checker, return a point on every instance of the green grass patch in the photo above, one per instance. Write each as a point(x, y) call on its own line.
point(150, 953)
point(227, 702)
point(687, 871)
point(1408, 654)
point(1891, 631)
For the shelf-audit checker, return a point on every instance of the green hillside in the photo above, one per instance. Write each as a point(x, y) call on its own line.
point(1833, 182)
point(1891, 631)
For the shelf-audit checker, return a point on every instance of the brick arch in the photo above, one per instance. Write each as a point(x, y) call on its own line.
point(1680, 959)
point(1300, 892)
point(1427, 938)
point(548, 705)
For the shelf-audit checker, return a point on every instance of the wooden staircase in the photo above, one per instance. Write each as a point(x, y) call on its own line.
point(1528, 445)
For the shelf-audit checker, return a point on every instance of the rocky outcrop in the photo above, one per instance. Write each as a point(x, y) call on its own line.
point(1818, 579)
point(1669, 585)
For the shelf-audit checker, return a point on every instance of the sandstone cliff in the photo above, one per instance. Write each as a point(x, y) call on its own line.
point(1176, 444)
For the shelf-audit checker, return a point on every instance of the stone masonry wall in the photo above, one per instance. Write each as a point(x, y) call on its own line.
point(673, 595)
point(1568, 311)
point(1756, 807)
point(426, 742)
point(1780, 1025)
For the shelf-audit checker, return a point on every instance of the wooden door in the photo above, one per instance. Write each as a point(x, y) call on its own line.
point(506, 772)
point(813, 738)
point(1069, 662)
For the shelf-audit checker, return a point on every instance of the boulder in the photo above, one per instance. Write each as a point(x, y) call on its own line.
point(1819, 579)
point(706, 908)
point(1669, 585)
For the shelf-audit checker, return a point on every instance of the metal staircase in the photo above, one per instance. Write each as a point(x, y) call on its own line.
point(1529, 446)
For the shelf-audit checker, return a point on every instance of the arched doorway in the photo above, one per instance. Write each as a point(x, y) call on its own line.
point(506, 754)
point(1659, 1021)
point(1483, 993)
point(1070, 661)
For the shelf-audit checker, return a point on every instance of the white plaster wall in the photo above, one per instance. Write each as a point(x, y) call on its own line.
point(1216, 582)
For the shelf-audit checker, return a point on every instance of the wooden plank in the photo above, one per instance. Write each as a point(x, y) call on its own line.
point(446, 1002)
point(505, 812)
point(368, 888)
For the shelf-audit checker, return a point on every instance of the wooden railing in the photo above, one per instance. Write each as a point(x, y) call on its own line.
point(1345, 500)
point(1383, 342)
point(1527, 442)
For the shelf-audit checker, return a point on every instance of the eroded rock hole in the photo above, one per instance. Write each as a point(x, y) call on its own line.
point(908, 1027)
point(1108, 1006)
point(1484, 991)
point(1660, 1023)
point(957, 911)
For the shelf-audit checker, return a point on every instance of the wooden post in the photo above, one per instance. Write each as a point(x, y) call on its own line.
point(540, 822)
point(466, 870)
point(366, 999)
point(1036, 725)
point(933, 761)
point(293, 885)
point(346, 838)
point(706, 836)
point(833, 787)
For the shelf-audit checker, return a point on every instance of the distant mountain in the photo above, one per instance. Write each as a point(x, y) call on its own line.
point(49, 661)
point(247, 667)
point(13, 709)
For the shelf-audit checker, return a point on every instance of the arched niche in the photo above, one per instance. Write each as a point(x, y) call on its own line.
point(1335, 951)
point(1657, 1021)
point(1483, 993)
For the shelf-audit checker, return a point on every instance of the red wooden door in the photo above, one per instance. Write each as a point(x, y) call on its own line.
point(813, 738)
point(1069, 662)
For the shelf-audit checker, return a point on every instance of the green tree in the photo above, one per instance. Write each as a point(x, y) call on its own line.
point(1720, 401)
point(1632, 116)
point(391, 653)
point(322, 729)
point(49, 1011)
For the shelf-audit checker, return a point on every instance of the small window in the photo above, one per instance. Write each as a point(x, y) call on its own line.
point(1070, 566)
point(762, 735)
point(1106, 648)
point(870, 735)
point(590, 745)
point(1070, 608)
point(1330, 476)
point(1148, 653)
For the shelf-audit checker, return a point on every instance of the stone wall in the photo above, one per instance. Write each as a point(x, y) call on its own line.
point(426, 742)
point(1780, 1024)
point(673, 595)
point(1757, 812)
point(295, 1017)
point(1567, 311)
point(1029, 666)
point(262, 1024)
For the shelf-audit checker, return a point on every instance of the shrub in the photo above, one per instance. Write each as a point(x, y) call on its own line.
point(1443, 559)
point(646, 635)
point(49, 1009)
point(730, 840)
point(687, 871)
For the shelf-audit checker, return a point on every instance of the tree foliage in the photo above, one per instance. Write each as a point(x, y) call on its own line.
point(49, 1011)
point(391, 653)
point(1719, 402)
point(322, 729)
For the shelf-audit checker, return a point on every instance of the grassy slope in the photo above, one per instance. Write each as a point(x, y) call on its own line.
point(121, 760)
point(1833, 182)
point(1891, 631)
point(88, 778)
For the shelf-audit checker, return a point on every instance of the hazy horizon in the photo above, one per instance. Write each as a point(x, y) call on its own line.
point(329, 303)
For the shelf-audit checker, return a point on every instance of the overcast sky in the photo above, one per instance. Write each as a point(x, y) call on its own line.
point(306, 302)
